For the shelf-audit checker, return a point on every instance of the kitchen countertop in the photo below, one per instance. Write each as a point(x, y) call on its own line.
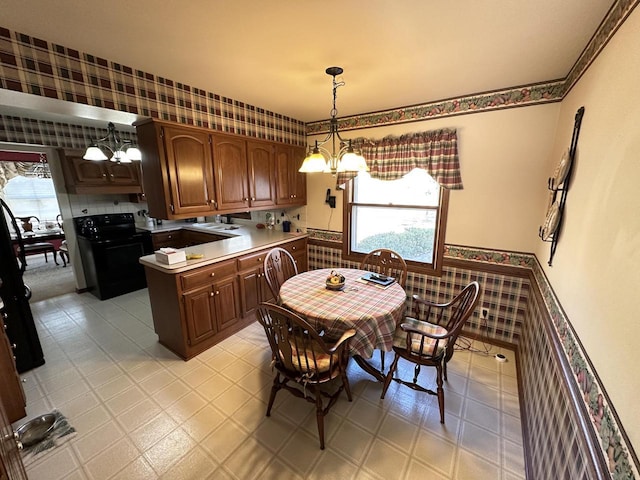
point(242, 239)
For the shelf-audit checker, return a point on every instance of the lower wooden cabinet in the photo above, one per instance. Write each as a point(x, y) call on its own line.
point(11, 392)
point(194, 310)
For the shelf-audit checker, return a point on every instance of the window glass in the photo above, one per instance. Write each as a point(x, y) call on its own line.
point(402, 215)
point(32, 196)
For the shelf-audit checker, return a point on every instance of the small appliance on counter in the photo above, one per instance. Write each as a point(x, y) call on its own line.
point(110, 246)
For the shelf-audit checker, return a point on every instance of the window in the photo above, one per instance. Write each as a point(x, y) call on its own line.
point(407, 215)
point(32, 196)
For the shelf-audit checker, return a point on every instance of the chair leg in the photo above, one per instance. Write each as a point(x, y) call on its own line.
point(55, 257)
point(444, 369)
point(46, 259)
point(345, 383)
point(382, 361)
point(389, 377)
point(274, 390)
point(440, 391)
point(319, 416)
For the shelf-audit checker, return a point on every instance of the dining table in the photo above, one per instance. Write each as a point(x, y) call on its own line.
point(371, 309)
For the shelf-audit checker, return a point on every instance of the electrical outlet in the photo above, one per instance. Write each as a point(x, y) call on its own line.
point(485, 313)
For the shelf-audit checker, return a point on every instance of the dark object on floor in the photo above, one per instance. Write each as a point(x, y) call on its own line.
point(36, 429)
point(64, 253)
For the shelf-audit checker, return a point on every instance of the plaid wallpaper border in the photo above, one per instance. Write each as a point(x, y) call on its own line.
point(35, 66)
point(557, 445)
point(52, 134)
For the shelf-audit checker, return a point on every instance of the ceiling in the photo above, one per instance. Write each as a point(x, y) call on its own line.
point(273, 53)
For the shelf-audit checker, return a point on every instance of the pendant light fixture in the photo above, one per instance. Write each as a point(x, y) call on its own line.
point(121, 151)
point(341, 157)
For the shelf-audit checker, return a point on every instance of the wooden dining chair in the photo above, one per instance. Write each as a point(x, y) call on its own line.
point(279, 266)
point(389, 263)
point(386, 262)
point(300, 355)
point(428, 338)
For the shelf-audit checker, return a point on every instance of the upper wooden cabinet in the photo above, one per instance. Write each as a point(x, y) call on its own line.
point(291, 185)
point(261, 170)
point(88, 176)
point(177, 170)
point(192, 171)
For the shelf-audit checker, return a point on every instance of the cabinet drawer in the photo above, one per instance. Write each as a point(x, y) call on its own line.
point(252, 260)
point(207, 275)
point(172, 238)
point(296, 246)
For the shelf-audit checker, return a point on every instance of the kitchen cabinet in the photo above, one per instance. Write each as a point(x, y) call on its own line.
point(291, 185)
point(193, 171)
point(11, 392)
point(195, 309)
point(11, 466)
point(90, 177)
point(244, 173)
point(261, 169)
point(232, 184)
point(177, 170)
point(182, 238)
point(253, 283)
point(213, 307)
point(172, 238)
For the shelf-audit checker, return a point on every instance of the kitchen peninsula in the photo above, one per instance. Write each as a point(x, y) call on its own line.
point(199, 302)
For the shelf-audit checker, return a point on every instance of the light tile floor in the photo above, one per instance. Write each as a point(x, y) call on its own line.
point(142, 413)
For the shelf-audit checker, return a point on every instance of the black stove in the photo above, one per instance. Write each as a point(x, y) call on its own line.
point(110, 246)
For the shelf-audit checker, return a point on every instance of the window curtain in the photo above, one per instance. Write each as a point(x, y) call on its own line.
point(393, 157)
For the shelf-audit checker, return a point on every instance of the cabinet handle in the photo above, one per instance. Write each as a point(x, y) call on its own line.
point(104, 174)
point(14, 346)
point(293, 248)
point(211, 294)
point(259, 260)
point(212, 274)
point(111, 175)
point(217, 292)
point(246, 199)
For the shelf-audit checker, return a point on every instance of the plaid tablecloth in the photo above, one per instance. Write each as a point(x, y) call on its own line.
point(371, 310)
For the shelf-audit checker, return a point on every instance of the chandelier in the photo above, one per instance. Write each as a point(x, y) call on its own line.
point(342, 157)
point(121, 151)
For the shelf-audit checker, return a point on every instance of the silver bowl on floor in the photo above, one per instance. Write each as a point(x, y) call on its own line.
point(36, 429)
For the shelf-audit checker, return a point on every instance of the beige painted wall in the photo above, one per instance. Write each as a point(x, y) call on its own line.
point(506, 158)
point(596, 269)
point(503, 158)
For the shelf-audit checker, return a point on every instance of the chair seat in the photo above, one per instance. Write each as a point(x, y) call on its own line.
point(312, 360)
point(39, 247)
point(400, 337)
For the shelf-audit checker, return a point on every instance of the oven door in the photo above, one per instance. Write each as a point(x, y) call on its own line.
point(111, 266)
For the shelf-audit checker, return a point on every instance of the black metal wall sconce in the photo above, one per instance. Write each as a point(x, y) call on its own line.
point(558, 184)
point(330, 199)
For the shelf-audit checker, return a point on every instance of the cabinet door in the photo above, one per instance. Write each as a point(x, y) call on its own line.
point(87, 172)
point(190, 169)
point(250, 289)
point(298, 179)
point(291, 186)
point(200, 314)
point(261, 173)
point(230, 160)
point(122, 173)
point(227, 302)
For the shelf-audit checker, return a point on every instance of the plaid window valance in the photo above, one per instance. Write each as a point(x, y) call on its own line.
point(392, 157)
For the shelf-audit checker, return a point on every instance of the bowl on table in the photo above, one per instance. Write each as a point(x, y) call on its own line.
point(335, 281)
